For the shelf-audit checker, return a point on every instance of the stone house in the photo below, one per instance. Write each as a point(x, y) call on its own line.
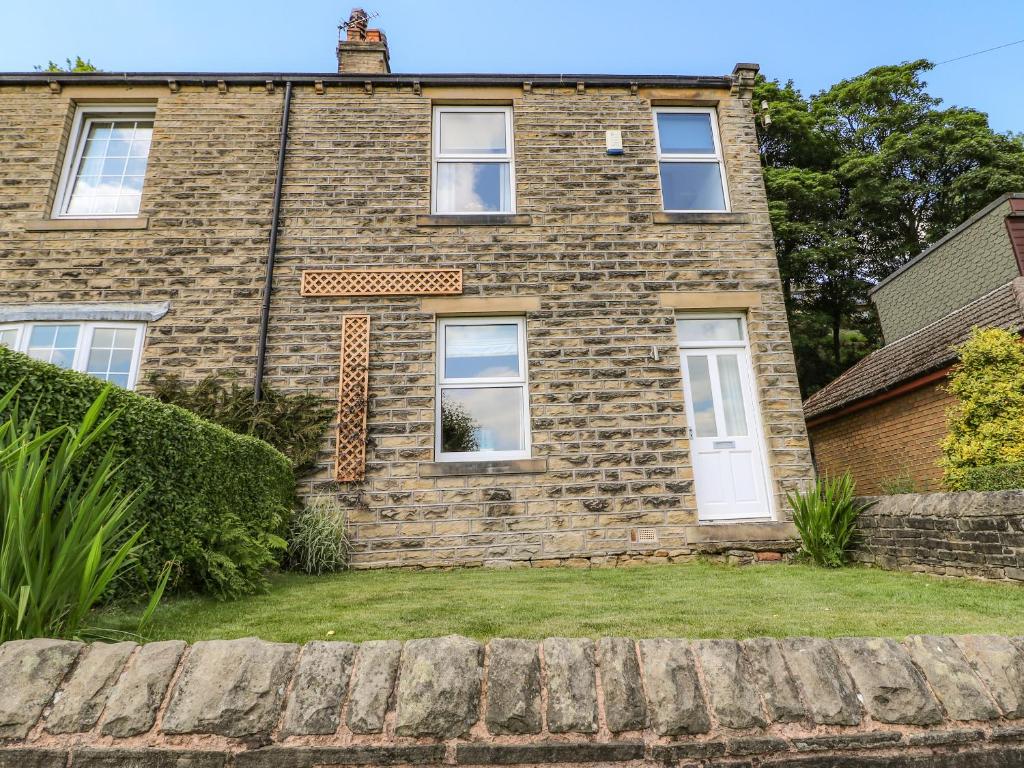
point(548, 305)
point(884, 419)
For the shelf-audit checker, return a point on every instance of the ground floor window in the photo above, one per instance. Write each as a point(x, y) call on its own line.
point(109, 351)
point(482, 399)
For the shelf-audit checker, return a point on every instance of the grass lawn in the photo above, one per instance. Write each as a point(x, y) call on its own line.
point(692, 600)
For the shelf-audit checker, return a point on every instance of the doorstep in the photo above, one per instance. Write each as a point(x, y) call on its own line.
point(741, 533)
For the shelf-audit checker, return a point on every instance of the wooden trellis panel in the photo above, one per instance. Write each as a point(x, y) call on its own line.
point(353, 390)
point(381, 282)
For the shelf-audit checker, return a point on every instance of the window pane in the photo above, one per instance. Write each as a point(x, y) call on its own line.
point(481, 351)
point(8, 337)
point(54, 344)
point(700, 395)
point(472, 133)
point(106, 182)
point(692, 187)
point(710, 329)
point(473, 188)
point(732, 396)
point(110, 354)
point(482, 419)
point(686, 132)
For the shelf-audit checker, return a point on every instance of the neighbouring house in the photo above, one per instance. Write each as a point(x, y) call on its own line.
point(884, 419)
point(548, 305)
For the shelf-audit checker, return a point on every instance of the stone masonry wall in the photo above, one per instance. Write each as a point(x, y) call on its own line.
point(951, 534)
point(606, 403)
point(928, 701)
point(965, 267)
point(605, 389)
point(898, 438)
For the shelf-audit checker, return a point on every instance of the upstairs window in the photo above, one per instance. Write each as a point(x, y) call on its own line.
point(483, 408)
point(108, 351)
point(690, 160)
point(105, 164)
point(473, 170)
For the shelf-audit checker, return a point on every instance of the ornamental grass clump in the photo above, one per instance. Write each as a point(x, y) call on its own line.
point(825, 516)
point(64, 522)
point(318, 541)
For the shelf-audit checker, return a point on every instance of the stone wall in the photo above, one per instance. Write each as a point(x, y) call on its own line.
point(898, 438)
point(852, 702)
point(951, 534)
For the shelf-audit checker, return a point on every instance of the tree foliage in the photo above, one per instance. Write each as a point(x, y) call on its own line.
point(985, 427)
point(861, 178)
point(78, 65)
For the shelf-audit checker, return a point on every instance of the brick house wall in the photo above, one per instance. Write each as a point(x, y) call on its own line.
point(900, 437)
point(598, 274)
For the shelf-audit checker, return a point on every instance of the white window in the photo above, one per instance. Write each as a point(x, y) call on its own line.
point(690, 159)
point(108, 351)
point(105, 163)
point(473, 169)
point(482, 401)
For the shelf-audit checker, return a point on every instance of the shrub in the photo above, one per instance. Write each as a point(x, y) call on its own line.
point(901, 483)
point(66, 538)
point(318, 541)
point(987, 426)
point(294, 424)
point(995, 477)
point(214, 502)
point(825, 516)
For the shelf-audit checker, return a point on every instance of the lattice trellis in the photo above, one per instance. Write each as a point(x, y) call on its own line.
point(353, 390)
point(381, 282)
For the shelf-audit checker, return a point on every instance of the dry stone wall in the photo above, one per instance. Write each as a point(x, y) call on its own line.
point(926, 701)
point(951, 534)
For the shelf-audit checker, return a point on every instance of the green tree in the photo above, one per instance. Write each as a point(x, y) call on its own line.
point(79, 65)
point(861, 178)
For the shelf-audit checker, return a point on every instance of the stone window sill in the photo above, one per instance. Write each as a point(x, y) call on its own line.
point(94, 225)
point(729, 217)
point(475, 220)
point(463, 468)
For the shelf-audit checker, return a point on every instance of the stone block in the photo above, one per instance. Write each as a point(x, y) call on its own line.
point(373, 681)
point(730, 684)
point(770, 675)
point(438, 687)
point(513, 687)
point(571, 685)
point(625, 707)
point(675, 700)
point(829, 693)
point(319, 688)
point(891, 687)
point(77, 706)
point(30, 671)
point(951, 677)
point(1001, 665)
point(132, 705)
point(230, 688)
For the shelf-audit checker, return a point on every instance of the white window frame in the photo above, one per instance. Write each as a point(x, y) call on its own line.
point(85, 115)
point(507, 157)
point(681, 157)
point(84, 343)
point(510, 382)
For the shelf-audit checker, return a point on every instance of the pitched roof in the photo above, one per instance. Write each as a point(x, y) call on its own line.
point(923, 351)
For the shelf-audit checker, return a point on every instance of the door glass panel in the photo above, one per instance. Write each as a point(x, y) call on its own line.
point(710, 329)
point(482, 419)
point(732, 396)
point(481, 351)
point(701, 396)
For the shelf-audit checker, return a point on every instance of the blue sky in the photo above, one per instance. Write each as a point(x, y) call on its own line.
point(813, 43)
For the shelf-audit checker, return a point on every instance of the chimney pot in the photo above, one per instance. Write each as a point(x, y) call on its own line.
point(361, 50)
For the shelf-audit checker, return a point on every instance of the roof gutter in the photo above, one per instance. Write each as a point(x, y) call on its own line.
point(268, 278)
point(308, 78)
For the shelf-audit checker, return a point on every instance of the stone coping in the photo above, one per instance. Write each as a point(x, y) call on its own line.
point(925, 701)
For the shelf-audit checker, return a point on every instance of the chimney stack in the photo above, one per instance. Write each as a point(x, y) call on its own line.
point(360, 50)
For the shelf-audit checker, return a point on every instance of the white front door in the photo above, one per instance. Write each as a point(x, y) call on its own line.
point(726, 443)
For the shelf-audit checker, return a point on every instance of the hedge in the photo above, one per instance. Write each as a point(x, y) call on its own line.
point(995, 477)
point(215, 502)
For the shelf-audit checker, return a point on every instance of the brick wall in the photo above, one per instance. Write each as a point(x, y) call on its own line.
point(968, 265)
point(605, 388)
point(895, 438)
